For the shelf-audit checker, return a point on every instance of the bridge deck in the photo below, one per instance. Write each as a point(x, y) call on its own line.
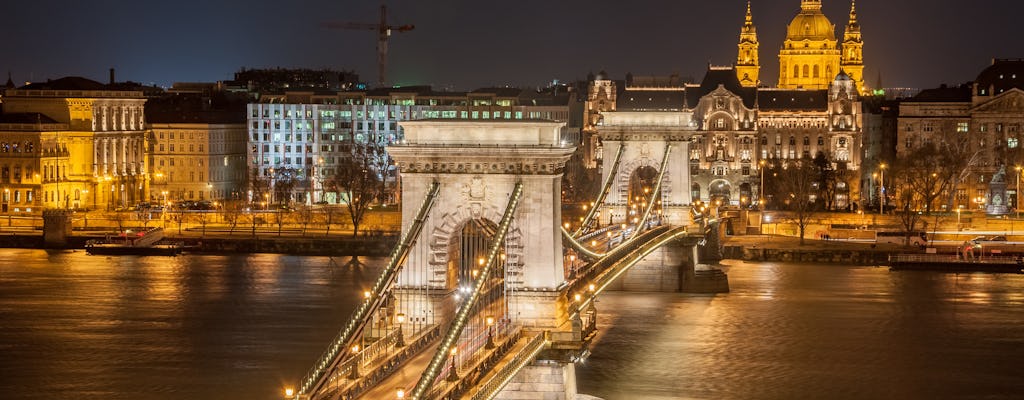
point(404, 377)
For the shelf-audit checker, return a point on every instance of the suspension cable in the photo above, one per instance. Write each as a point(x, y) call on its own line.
point(655, 192)
point(462, 315)
point(604, 191)
point(317, 376)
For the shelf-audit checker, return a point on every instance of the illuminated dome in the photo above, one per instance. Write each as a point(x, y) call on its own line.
point(811, 24)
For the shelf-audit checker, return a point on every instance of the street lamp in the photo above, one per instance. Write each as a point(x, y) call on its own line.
point(760, 189)
point(490, 332)
point(453, 374)
point(400, 341)
point(881, 190)
point(1016, 193)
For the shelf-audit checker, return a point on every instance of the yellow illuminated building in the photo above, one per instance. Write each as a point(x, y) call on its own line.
point(747, 67)
point(853, 50)
point(72, 143)
point(811, 58)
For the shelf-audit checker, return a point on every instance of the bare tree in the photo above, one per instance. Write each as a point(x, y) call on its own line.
point(358, 183)
point(254, 220)
point(331, 215)
point(285, 181)
point(203, 217)
point(304, 217)
point(958, 156)
point(232, 212)
point(280, 218)
point(798, 185)
point(260, 187)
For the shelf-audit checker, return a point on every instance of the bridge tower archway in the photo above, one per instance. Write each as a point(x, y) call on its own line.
point(643, 153)
point(478, 165)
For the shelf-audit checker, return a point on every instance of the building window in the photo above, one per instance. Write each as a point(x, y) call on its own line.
point(1011, 142)
point(807, 141)
point(821, 141)
point(746, 170)
point(962, 127)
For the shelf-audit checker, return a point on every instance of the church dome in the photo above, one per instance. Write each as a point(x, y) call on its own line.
point(811, 24)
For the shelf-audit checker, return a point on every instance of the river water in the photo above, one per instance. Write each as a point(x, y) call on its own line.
point(246, 326)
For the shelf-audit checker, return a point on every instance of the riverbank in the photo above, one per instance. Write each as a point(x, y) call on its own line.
point(788, 249)
point(374, 245)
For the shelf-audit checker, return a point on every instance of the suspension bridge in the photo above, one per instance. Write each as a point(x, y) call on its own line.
point(488, 295)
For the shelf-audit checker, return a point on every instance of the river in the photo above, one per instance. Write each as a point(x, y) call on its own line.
point(246, 326)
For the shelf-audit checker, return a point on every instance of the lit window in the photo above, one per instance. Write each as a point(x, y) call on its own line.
point(962, 127)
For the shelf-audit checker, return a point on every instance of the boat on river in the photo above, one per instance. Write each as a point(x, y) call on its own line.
point(954, 263)
point(134, 242)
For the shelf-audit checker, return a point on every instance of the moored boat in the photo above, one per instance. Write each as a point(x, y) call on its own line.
point(141, 242)
point(953, 263)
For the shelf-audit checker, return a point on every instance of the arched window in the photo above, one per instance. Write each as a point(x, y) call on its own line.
point(764, 140)
point(796, 71)
point(817, 73)
point(792, 141)
point(807, 71)
point(695, 192)
point(807, 141)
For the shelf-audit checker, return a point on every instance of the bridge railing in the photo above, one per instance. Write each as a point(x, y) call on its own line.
point(463, 313)
point(529, 353)
point(342, 342)
point(377, 362)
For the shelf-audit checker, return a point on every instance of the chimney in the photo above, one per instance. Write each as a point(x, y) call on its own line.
point(112, 81)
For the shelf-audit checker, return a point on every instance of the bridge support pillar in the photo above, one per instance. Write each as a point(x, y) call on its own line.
point(56, 228)
point(675, 267)
point(548, 380)
point(537, 309)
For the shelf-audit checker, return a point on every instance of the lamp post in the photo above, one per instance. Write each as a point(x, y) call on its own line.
point(958, 220)
point(760, 189)
point(881, 189)
point(400, 340)
point(1016, 193)
point(452, 373)
point(490, 332)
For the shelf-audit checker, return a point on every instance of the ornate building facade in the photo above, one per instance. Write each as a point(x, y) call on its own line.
point(738, 127)
point(87, 148)
point(984, 121)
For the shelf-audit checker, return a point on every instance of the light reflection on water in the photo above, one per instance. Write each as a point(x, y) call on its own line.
point(191, 327)
point(809, 331)
point(244, 327)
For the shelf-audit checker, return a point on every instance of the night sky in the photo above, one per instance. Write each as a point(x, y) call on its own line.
point(464, 44)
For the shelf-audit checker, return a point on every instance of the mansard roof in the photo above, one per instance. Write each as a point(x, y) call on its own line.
point(67, 83)
point(725, 77)
point(1001, 76)
point(792, 100)
point(944, 94)
point(650, 100)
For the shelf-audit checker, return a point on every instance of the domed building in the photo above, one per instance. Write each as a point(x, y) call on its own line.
point(810, 57)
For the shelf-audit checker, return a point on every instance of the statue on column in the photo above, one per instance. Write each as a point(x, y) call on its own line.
point(996, 197)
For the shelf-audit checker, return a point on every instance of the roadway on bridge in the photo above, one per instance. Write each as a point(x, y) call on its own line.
point(404, 377)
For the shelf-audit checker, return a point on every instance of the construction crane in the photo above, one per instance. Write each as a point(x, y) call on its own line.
point(383, 36)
